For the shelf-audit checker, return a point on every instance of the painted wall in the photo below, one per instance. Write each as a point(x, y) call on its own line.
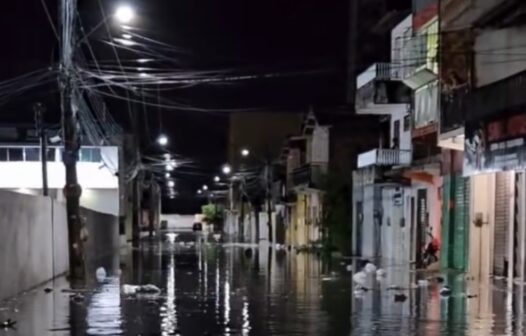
point(400, 56)
point(499, 54)
point(482, 202)
point(395, 229)
point(405, 140)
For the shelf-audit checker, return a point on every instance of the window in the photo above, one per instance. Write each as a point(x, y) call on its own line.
point(3, 154)
point(51, 155)
point(407, 123)
point(16, 154)
point(90, 155)
point(32, 154)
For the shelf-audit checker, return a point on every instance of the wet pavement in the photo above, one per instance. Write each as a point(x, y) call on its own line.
point(229, 289)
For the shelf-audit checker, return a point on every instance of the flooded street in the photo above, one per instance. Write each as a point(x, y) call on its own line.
point(212, 289)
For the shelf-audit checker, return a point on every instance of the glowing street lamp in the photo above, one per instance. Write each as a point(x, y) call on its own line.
point(217, 179)
point(167, 175)
point(171, 184)
point(124, 14)
point(199, 191)
point(227, 169)
point(245, 152)
point(162, 140)
point(205, 187)
point(169, 167)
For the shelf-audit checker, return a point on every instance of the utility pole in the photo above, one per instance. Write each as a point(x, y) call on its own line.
point(269, 200)
point(352, 53)
point(39, 123)
point(72, 190)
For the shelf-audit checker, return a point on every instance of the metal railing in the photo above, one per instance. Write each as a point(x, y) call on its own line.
point(377, 71)
point(414, 55)
point(385, 157)
point(464, 105)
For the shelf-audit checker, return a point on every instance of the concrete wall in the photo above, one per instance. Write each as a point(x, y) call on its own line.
point(103, 241)
point(28, 256)
point(499, 54)
point(34, 246)
point(99, 200)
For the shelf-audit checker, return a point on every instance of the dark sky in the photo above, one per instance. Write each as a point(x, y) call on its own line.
point(249, 36)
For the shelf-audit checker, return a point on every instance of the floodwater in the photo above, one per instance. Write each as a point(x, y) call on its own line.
point(213, 289)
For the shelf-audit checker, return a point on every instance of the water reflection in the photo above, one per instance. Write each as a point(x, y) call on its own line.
point(250, 290)
point(104, 310)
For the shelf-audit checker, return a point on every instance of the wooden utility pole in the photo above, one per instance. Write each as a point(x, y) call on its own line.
point(39, 124)
point(72, 190)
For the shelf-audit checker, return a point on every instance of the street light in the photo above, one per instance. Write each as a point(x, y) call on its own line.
point(217, 179)
point(124, 14)
point(245, 152)
point(205, 187)
point(227, 169)
point(199, 191)
point(169, 167)
point(167, 175)
point(162, 140)
point(171, 184)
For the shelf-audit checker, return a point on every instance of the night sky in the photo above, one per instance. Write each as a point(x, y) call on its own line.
point(244, 36)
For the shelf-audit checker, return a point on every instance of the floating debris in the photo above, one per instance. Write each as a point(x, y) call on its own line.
point(8, 324)
point(400, 297)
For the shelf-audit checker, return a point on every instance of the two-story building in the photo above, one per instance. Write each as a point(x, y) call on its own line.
point(381, 196)
point(482, 106)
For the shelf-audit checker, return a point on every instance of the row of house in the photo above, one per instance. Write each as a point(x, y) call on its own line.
point(453, 172)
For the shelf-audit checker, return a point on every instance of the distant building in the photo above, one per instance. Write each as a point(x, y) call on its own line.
point(97, 170)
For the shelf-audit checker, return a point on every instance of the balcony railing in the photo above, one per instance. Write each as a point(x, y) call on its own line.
point(309, 176)
point(376, 89)
point(377, 71)
point(384, 157)
point(453, 110)
point(496, 98)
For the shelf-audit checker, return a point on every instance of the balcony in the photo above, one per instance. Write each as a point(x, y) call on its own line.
point(453, 110)
point(420, 61)
point(380, 92)
point(496, 98)
point(384, 157)
point(308, 176)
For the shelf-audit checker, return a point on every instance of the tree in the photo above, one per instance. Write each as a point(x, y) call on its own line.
point(213, 214)
point(337, 213)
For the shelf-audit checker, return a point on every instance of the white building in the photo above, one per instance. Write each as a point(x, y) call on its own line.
point(21, 171)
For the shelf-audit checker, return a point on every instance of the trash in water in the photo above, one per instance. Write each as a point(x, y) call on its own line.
point(400, 297)
point(445, 291)
point(370, 268)
point(471, 296)
point(48, 290)
point(100, 274)
point(170, 236)
point(8, 324)
point(149, 288)
point(135, 289)
point(360, 278)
